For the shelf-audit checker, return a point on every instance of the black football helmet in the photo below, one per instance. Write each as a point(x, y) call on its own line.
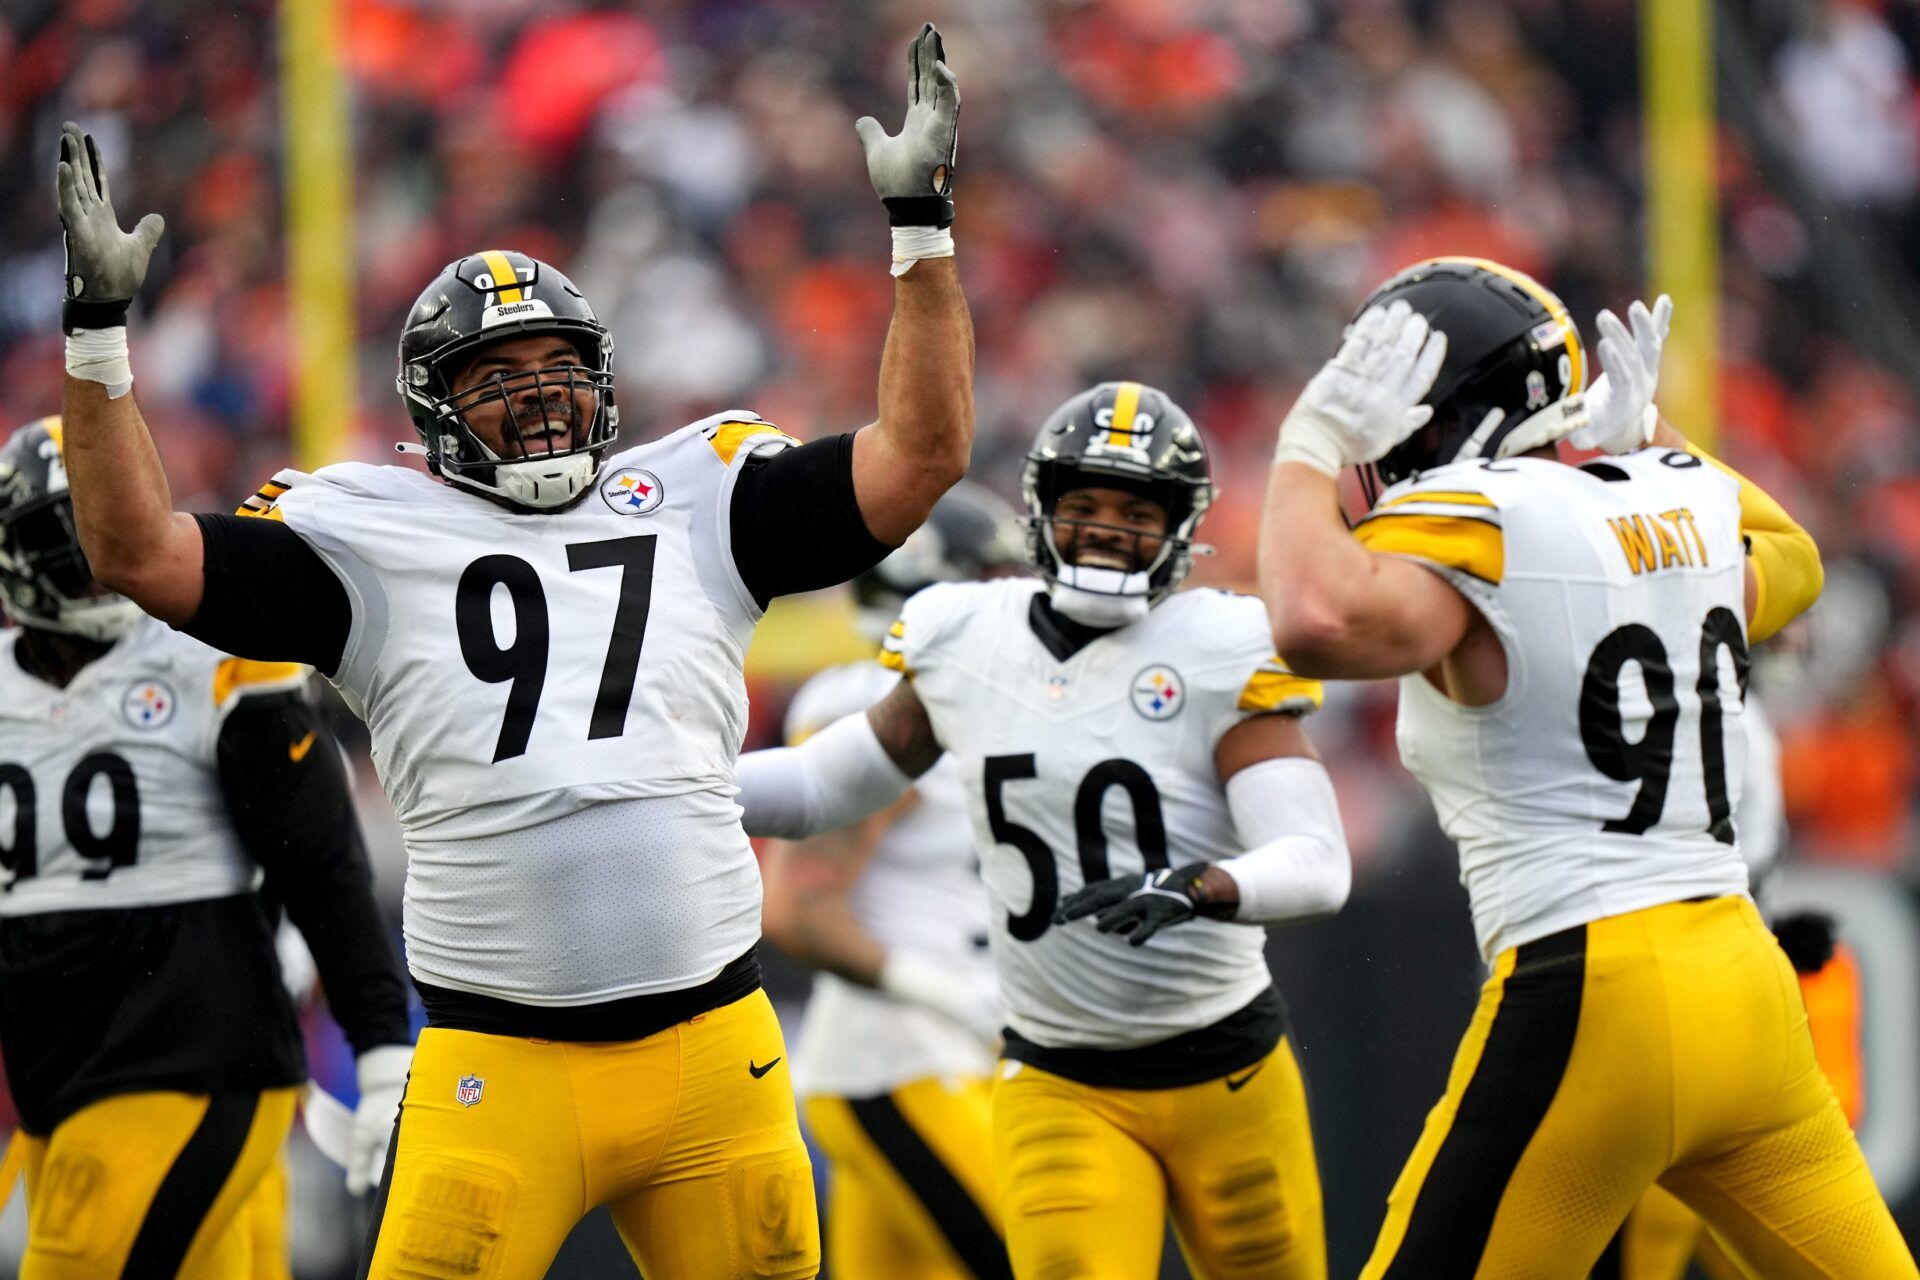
point(44, 578)
point(970, 534)
point(1512, 352)
point(1121, 435)
point(480, 299)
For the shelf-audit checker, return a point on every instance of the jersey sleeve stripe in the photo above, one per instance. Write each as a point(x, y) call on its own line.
point(894, 660)
point(1274, 688)
point(727, 438)
point(243, 675)
point(1473, 545)
point(1461, 510)
point(1458, 497)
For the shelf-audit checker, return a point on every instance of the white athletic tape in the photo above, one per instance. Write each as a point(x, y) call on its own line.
point(330, 1125)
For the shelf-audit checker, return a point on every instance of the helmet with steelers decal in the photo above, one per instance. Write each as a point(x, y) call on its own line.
point(970, 534)
point(44, 578)
point(1513, 355)
point(1130, 437)
point(508, 377)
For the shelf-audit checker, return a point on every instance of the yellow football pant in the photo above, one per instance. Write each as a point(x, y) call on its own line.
point(1088, 1175)
point(912, 1191)
point(1666, 1044)
point(689, 1137)
point(160, 1185)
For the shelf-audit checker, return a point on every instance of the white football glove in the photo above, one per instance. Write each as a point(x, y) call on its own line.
point(1367, 398)
point(912, 171)
point(1618, 408)
point(926, 982)
point(382, 1073)
point(105, 265)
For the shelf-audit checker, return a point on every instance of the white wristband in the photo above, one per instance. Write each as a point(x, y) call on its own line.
point(910, 244)
point(100, 355)
point(1305, 440)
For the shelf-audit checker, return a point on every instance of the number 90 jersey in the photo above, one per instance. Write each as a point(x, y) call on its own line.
point(1605, 778)
point(1097, 764)
point(110, 794)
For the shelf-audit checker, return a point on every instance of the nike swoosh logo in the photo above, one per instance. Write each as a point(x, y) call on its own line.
point(1235, 1086)
point(757, 1071)
point(297, 751)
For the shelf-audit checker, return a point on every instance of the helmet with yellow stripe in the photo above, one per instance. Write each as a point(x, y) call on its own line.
point(1513, 353)
point(1127, 436)
point(44, 578)
point(529, 436)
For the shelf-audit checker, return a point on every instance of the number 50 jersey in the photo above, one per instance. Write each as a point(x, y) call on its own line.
point(1605, 778)
point(1094, 763)
point(556, 701)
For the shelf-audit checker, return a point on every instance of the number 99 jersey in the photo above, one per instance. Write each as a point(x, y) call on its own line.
point(1096, 762)
point(110, 794)
point(1605, 778)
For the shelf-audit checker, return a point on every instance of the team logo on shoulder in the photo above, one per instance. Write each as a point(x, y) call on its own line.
point(1159, 692)
point(148, 704)
point(633, 492)
point(468, 1090)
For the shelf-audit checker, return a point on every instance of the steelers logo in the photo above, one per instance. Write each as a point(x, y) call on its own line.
point(633, 492)
point(148, 704)
point(1159, 693)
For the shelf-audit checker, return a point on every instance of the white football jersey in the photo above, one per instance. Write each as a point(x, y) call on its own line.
point(110, 791)
point(1099, 765)
point(1606, 778)
point(556, 701)
point(919, 892)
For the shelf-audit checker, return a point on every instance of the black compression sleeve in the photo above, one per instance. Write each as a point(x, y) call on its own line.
point(268, 595)
point(286, 792)
point(796, 522)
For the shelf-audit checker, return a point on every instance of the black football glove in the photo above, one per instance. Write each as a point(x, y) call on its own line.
point(1138, 907)
point(912, 171)
point(1807, 938)
point(105, 265)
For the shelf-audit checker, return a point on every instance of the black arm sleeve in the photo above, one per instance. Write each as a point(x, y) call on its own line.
point(796, 522)
point(295, 817)
point(268, 595)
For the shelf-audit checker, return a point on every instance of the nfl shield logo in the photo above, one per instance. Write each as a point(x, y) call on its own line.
point(469, 1089)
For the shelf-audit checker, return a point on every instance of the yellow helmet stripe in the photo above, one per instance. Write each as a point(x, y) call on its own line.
point(1126, 403)
point(1577, 358)
point(57, 430)
point(505, 279)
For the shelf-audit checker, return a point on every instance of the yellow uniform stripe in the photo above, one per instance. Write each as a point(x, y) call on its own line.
point(235, 674)
point(895, 662)
point(1461, 498)
point(505, 279)
point(899, 629)
point(1457, 542)
point(1126, 403)
point(1274, 690)
point(1545, 297)
point(726, 441)
point(57, 430)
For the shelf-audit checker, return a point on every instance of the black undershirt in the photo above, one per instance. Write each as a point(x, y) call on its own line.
point(295, 818)
point(795, 525)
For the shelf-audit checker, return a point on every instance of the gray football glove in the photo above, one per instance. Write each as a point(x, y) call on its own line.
point(105, 265)
point(912, 171)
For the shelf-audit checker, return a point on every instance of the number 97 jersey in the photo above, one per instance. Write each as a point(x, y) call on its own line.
point(1605, 778)
point(1082, 763)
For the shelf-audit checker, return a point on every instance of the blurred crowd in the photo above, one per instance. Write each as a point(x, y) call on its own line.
point(1192, 193)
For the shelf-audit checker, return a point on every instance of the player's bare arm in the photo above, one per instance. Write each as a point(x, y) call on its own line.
point(855, 767)
point(807, 912)
point(905, 731)
point(920, 444)
point(135, 542)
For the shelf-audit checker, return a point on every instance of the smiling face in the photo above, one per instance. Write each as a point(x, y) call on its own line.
point(1105, 528)
point(537, 416)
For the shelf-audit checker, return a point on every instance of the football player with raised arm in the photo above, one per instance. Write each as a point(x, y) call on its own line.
point(1133, 754)
point(895, 1053)
point(546, 637)
point(146, 781)
point(1571, 643)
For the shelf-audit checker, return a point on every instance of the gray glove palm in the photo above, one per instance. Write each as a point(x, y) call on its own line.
point(105, 265)
point(912, 171)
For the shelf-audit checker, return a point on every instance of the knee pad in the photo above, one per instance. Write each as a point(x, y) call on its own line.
point(779, 1227)
point(446, 1219)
